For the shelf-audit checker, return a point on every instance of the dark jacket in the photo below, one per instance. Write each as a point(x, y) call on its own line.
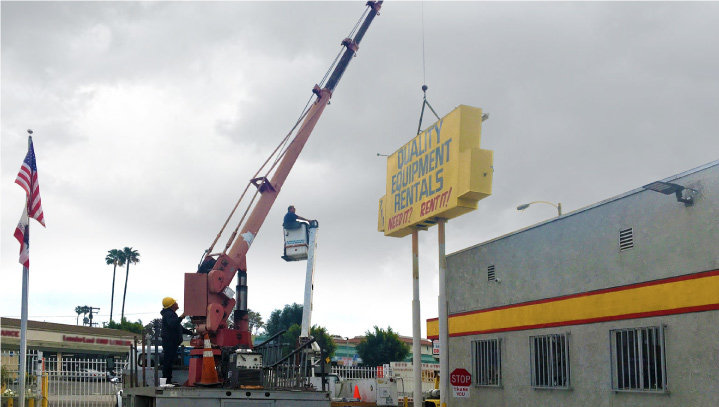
point(172, 328)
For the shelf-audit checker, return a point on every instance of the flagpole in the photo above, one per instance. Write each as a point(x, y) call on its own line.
point(23, 312)
point(23, 330)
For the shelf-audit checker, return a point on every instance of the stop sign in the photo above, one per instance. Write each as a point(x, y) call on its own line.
point(460, 377)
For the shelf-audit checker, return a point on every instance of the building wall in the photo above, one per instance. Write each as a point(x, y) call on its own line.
point(65, 339)
point(554, 274)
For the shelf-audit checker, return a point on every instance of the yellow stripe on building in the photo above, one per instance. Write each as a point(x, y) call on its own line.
point(686, 295)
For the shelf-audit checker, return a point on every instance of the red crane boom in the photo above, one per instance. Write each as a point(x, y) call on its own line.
point(208, 298)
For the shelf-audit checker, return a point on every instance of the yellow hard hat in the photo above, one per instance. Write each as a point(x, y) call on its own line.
point(167, 302)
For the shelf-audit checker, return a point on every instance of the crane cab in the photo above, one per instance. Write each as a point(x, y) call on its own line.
point(297, 242)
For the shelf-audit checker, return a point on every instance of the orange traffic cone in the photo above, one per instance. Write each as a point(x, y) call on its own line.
point(209, 372)
point(357, 395)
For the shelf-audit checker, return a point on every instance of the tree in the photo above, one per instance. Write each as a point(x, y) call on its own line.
point(381, 347)
point(154, 325)
point(284, 319)
point(113, 257)
point(255, 320)
point(125, 325)
point(129, 256)
point(81, 309)
point(324, 340)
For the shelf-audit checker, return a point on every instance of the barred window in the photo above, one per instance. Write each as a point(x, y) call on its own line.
point(638, 359)
point(549, 359)
point(487, 362)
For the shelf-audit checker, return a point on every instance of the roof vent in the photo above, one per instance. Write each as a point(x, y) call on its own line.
point(490, 274)
point(626, 239)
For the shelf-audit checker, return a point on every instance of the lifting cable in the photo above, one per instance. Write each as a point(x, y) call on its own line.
point(282, 148)
point(424, 79)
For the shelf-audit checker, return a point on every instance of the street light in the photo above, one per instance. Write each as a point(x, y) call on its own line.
point(558, 206)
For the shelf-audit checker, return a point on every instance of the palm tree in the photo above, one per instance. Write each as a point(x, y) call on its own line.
point(129, 256)
point(113, 257)
point(81, 309)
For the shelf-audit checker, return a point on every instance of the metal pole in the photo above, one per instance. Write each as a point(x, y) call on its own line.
point(309, 282)
point(128, 369)
point(416, 327)
point(23, 328)
point(38, 374)
point(134, 362)
point(322, 371)
point(443, 322)
point(146, 351)
point(25, 293)
point(157, 354)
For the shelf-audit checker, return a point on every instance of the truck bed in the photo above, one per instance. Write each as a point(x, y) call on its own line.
point(218, 397)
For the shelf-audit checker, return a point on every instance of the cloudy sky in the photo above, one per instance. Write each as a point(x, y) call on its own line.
point(151, 117)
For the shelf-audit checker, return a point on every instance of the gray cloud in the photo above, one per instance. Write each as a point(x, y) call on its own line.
point(150, 117)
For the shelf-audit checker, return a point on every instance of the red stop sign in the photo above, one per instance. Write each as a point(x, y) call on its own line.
point(460, 377)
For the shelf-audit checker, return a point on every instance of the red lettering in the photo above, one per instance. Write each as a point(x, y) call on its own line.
point(400, 219)
point(14, 334)
point(433, 204)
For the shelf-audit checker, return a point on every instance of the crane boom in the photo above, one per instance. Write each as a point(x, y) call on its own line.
point(208, 298)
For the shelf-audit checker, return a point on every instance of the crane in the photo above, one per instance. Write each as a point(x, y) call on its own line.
point(209, 300)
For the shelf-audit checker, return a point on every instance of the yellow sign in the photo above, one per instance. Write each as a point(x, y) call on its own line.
point(441, 173)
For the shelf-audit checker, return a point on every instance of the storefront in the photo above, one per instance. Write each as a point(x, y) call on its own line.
point(65, 340)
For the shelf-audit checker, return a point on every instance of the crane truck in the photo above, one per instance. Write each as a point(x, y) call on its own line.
point(225, 369)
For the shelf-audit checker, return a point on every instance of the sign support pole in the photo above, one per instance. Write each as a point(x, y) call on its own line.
point(443, 320)
point(416, 332)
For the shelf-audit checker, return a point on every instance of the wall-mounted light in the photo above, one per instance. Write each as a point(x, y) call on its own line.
point(668, 188)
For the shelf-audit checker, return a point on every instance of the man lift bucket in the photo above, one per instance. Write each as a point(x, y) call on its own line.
point(299, 236)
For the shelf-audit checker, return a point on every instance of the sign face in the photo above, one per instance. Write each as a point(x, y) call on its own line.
point(460, 379)
point(441, 173)
point(460, 391)
point(435, 348)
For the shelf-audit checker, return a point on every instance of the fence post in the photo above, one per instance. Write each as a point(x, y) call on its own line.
point(322, 369)
point(157, 354)
point(134, 362)
point(145, 359)
point(133, 358)
point(45, 390)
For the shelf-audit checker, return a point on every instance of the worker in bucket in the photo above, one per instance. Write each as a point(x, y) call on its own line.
point(172, 331)
point(291, 217)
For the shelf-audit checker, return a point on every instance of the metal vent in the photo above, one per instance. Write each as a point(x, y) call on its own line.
point(490, 274)
point(626, 239)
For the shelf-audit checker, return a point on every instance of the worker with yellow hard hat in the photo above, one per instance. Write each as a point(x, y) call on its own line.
point(172, 331)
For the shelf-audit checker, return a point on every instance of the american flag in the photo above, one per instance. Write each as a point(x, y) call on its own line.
point(27, 179)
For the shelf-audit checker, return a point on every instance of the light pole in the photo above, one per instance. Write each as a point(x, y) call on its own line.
point(558, 206)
